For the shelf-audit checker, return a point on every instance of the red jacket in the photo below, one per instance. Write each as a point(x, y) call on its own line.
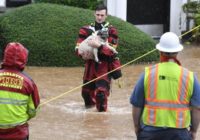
point(104, 53)
point(14, 81)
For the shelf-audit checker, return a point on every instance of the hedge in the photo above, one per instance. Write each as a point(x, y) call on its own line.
point(86, 4)
point(49, 31)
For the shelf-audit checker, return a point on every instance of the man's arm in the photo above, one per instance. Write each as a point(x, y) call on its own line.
point(113, 37)
point(195, 108)
point(34, 101)
point(137, 100)
point(83, 34)
point(195, 116)
point(136, 114)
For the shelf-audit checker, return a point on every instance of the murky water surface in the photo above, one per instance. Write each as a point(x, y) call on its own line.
point(65, 118)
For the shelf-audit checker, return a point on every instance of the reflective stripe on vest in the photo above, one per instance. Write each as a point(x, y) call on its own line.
point(157, 107)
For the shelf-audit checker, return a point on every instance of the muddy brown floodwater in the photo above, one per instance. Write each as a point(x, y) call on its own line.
point(65, 118)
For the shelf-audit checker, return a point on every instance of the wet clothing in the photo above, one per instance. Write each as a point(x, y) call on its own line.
point(19, 98)
point(152, 132)
point(98, 91)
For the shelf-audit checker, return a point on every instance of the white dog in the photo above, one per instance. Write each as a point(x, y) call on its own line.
point(84, 47)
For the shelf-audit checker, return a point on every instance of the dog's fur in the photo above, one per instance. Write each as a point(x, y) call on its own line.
point(83, 47)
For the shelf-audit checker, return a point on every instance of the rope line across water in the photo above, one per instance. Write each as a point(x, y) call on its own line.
point(56, 97)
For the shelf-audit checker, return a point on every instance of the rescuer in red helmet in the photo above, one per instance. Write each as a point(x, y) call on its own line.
point(19, 98)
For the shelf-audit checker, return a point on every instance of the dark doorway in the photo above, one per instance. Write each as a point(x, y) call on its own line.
point(149, 12)
point(16, 3)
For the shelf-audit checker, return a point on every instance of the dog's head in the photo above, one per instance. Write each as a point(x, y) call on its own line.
point(103, 33)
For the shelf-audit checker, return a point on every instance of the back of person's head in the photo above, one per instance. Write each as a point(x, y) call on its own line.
point(15, 56)
point(101, 7)
point(169, 43)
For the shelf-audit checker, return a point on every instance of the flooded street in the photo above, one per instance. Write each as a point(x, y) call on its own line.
point(65, 118)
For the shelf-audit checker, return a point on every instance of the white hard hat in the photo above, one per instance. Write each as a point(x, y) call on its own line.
point(169, 42)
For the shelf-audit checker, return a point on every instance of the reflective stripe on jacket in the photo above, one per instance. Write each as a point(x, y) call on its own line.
point(19, 99)
point(16, 103)
point(168, 89)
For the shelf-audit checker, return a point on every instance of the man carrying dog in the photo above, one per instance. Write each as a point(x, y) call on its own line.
point(97, 92)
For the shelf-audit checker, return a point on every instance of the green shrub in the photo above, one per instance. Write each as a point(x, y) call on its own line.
point(191, 7)
point(49, 31)
point(192, 10)
point(87, 4)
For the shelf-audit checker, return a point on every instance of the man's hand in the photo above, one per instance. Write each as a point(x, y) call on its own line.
point(137, 130)
point(95, 42)
point(193, 135)
point(195, 116)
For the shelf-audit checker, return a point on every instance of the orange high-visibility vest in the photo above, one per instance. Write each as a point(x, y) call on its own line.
point(168, 88)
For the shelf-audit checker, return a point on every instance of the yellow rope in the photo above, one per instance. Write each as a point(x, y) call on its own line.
point(189, 31)
point(56, 97)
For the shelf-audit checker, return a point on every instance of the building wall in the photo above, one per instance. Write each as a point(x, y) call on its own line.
point(177, 24)
point(152, 17)
point(2, 5)
point(117, 8)
point(177, 17)
point(154, 30)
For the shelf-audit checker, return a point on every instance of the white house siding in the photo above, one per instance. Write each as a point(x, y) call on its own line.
point(2, 5)
point(177, 17)
point(117, 8)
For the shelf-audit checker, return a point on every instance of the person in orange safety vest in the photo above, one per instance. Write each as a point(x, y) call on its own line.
point(166, 98)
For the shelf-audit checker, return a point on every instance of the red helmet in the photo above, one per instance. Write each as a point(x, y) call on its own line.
point(15, 56)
